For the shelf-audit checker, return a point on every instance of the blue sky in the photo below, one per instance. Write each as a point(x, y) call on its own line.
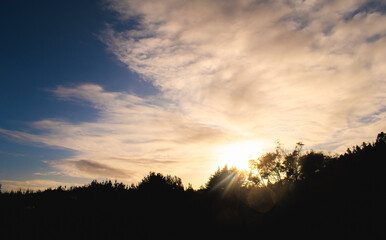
point(45, 44)
point(115, 89)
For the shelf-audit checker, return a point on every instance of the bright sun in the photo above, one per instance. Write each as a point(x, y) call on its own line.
point(238, 154)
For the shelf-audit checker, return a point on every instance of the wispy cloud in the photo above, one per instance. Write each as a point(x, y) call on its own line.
point(227, 71)
point(132, 136)
point(292, 69)
point(52, 173)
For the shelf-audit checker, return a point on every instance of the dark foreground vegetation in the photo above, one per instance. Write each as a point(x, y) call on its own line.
point(295, 195)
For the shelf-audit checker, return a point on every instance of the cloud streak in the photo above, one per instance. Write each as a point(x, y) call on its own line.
point(302, 69)
point(227, 71)
point(132, 136)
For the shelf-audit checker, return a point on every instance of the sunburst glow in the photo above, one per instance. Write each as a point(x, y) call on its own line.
point(238, 154)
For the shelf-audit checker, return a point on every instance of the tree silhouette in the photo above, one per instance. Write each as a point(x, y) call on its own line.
point(157, 182)
point(311, 163)
point(294, 194)
point(291, 163)
point(269, 167)
point(275, 166)
point(226, 180)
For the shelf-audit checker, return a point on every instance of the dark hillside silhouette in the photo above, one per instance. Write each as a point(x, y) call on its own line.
point(286, 194)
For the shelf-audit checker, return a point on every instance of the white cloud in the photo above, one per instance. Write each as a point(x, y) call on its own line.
point(290, 69)
point(227, 71)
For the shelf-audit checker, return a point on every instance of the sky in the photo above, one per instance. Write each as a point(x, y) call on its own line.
point(113, 89)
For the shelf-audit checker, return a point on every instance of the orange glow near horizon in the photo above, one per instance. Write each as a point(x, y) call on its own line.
point(238, 154)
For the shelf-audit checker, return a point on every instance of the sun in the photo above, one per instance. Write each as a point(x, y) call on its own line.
point(238, 154)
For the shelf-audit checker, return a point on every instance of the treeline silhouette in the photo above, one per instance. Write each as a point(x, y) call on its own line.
point(299, 195)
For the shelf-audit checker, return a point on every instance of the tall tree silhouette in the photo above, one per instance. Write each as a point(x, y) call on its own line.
point(292, 163)
point(275, 166)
